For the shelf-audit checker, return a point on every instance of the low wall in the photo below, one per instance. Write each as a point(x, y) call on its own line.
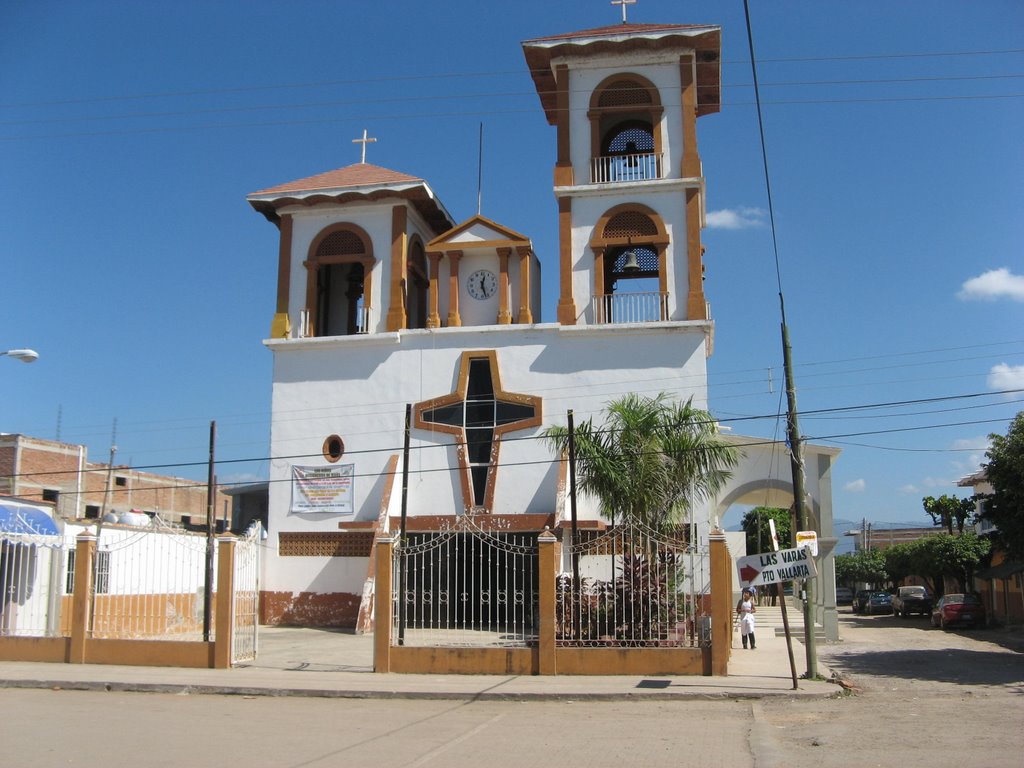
point(546, 657)
point(79, 647)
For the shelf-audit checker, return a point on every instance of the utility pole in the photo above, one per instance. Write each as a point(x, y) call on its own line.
point(402, 575)
point(572, 511)
point(210, 521)
point(796, 457)
point(103, 513)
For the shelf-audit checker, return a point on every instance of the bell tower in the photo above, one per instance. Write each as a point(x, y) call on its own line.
point(624, 101)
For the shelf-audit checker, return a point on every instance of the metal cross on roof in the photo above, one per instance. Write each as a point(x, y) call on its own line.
point(624, 3)
point(364, 141)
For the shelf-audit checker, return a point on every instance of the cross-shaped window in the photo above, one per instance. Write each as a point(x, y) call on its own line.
point(478, 413)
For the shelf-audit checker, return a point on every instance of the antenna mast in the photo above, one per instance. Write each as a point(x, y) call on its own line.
point(480, 172)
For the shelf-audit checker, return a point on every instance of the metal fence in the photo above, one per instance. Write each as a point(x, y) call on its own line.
point(633, 167)
point(247, 595)
point(629, 586)
point(30, 585)
point(645, 307)
point(465, 586)
point(147, 584)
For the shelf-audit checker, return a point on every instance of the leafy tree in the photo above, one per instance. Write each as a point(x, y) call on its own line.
point(953, 556)
point(960, 556)
point(864, 566)
point(900, 562)
point(651, 459)
point(947, 510)
point(1004, 507)
point(759, 533)
point(934, 558)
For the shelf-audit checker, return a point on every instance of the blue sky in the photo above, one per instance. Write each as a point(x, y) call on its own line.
point(130, 133)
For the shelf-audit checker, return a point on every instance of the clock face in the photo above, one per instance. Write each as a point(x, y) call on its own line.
point(482, 284)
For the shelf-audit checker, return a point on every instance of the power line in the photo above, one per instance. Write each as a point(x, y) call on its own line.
point(716, 378)
point(465, 97)
point(223, 91)
point(755, 441)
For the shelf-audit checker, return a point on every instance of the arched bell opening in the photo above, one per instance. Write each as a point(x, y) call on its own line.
point(416, 287)
point(341, 305)
point(338, 293)
point(630, 280)
point(625, 111)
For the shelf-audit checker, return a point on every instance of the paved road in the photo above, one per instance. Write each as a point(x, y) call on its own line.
point(927, 698)
point(89, 729)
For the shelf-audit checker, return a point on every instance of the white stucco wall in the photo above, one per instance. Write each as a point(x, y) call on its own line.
point(665, 197)
point(357, 387)
point(585, 74)
point(375, 218)
point(588, 208)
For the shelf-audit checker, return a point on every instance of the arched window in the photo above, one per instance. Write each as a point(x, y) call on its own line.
point(625, 113)
point(630, 280)
point(338, 282)
point(416, 286)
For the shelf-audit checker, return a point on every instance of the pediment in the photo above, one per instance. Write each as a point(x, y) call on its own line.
point(478, 231)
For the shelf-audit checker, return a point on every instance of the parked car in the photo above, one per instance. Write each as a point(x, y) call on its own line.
point(913, 599)
point(844, 596)
point(878, 602)
point(966, 610)
point(860, 600)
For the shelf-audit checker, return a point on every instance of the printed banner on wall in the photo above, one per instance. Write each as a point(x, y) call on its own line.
point(322, 489)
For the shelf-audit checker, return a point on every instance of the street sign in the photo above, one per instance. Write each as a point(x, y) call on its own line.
point(776, 567)
point(808, 539)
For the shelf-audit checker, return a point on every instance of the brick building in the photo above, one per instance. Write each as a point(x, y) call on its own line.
point(35, 469)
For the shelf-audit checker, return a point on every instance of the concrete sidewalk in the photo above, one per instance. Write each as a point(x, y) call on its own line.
point(326, 663)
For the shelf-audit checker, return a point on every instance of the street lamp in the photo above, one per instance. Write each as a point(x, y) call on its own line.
point(25, 355)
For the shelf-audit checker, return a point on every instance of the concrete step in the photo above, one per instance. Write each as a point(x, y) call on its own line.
point(769, 618)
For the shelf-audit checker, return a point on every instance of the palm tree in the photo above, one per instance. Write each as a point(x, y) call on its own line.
point(651, 459)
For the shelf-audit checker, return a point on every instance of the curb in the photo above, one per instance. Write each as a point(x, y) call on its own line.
point(328, 693)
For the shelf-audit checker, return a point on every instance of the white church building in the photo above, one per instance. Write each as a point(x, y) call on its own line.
point(385, 303)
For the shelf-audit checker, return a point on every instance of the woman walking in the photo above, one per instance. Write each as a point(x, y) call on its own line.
point(746, 609)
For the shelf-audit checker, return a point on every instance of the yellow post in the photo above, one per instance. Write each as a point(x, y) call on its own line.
point(224, 627)
point(549, 553)
point(721, 603)
point(81, 603)
point(382, 606)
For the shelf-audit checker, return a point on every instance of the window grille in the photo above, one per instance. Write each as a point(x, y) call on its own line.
point(101, 578)
point(342, 544)
point(630, 224)
point(624, 93)
point(632, 140)
point(341, 243)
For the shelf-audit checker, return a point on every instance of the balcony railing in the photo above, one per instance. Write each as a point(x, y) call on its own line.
point(362, 323)
point(614, 168)
point(630, 308)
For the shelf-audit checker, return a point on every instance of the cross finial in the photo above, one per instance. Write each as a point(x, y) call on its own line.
point(364, 141)
point(624, 3)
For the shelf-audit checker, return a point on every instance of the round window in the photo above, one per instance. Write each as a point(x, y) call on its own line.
point(334, 448)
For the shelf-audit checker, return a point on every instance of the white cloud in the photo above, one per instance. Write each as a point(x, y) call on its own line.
point(979, 443)
point(910, 489)
point(994, 284)
point(1005, 376)
point(972, 454)
point(736, 218)
point(855, 486)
